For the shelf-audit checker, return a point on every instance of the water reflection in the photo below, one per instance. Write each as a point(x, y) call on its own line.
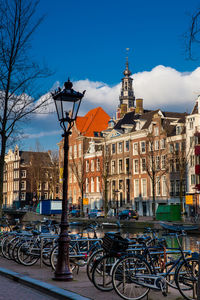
point(189, 242)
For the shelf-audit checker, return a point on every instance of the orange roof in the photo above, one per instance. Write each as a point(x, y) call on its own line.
point(95, 120)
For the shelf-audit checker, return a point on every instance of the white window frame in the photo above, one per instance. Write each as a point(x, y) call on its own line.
point(164, 186)
point(120, 147)
point(98, 164)
point(143, 170)
point(144, 187)
point(135, 166)
point(97, 184)
point(23, 196)
point(87, 185)
point(143, 146)
point(125, 148)
point(92, 184)
point(87, 165)
point(92, 165)
point(23, 173)
point(23, 185)
point(157, 145)
point(136, 188)
point(135, 148)
point(120, 166)
point(75, 151)
point(79, 150)
point(113, 167)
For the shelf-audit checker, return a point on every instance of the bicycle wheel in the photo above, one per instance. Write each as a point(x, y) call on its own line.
point(93, 258)
point(28, 253)
point(48, 246)
point(101, 273)
point(128, 278)
point(54, 256)
point(186, 278)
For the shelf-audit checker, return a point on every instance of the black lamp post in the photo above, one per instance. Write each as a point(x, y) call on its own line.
point(67, 103)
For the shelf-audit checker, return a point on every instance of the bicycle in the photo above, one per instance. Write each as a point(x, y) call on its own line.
point(133, 276)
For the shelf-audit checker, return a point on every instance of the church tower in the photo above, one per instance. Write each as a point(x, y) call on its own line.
point(126, 98)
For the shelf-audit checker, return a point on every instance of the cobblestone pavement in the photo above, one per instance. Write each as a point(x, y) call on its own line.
point(12, 290)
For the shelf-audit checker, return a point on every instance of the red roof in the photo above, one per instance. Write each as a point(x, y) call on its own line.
point(95, 120)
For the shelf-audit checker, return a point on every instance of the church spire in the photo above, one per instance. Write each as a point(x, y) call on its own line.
point(127, 97)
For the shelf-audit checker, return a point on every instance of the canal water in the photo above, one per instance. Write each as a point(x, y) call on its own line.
point(189, 242)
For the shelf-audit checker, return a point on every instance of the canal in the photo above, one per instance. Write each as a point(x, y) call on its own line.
point(189, 242)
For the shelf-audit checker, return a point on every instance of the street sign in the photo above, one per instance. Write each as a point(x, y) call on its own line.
point(85, 201)
point(189, 199)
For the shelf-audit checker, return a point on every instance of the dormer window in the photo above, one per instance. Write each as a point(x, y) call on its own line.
point(178, 130)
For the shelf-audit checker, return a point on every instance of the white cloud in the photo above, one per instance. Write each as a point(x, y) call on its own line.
point(40, 134)
point(162, 87)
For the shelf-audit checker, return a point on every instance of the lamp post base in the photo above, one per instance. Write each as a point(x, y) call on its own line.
point(63, 277)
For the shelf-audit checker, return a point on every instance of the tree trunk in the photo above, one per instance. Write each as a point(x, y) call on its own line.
point(2, 158)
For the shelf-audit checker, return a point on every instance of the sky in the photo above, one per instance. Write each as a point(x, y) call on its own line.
point(86, 41)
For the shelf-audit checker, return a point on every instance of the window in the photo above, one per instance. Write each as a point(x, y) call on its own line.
point(127, 146)
point(120, 147)
point(157, 162)
point(87, 166)
point(92, 165)
point(163, 162)
point(113, 167)
point(86, 185)
point(164, 186)
point(98, 184)
point(157, 186)
point(143, 147)
point(163, 144)
point(45, 196)
point(107, 149)
point(150, 146)
point(177, 165)
point(144, 187)
point(16, 185)
point(92, 185)
point(172, 188)
point(191, 124)
point(98, 164)
point(23, 185)
point(79, 150)
point(120, 184)
point(177, 187)
point(135, 166)
point(45, 185)
point(143, 163)
point(156, 131)
point(135, 149)
point(70, 176)
point(74, 177)
point(16, 165)
point(127, 165)
point(177, 146)
point(171, 165)
point(23, 174)
point(136, 188)
point(156, 145)
point(193, 181)
point(75, 151)
point(171, 148)
point(191, 160)
point(120, 166)
point(113, 148)
point(178, 130)
point(16, 175)
point(23, 196)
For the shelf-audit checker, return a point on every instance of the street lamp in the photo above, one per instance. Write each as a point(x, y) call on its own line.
point(67, 102)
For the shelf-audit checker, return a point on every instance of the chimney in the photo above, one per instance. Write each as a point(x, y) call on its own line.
point(139, 106)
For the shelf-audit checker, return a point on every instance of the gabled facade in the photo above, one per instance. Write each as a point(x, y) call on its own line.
point(29, 176)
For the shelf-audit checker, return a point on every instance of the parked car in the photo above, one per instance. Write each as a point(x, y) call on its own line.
point(128, 214)
point(74, 213)
point(96, 213)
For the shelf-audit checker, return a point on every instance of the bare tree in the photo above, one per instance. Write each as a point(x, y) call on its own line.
point(179, 161)
point(52, 174)
point(17, 72)
point(155, 164)
point(105, 174)
point(78, 168)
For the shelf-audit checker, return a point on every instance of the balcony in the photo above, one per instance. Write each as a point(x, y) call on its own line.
point(197, 150)
point(197, 169)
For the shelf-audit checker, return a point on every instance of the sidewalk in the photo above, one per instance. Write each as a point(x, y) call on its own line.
point(81, 288)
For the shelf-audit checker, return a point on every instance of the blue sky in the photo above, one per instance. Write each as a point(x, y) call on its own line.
point(87, 41)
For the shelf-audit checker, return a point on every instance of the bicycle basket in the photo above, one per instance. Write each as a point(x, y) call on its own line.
point(114, 243)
